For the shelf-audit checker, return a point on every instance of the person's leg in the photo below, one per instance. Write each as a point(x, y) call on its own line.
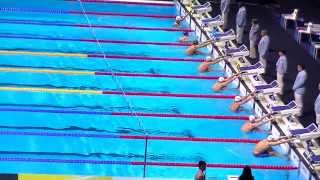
point(318, 119)
point(253, 51)
point(240, 31)
point(299, 101)
point(280, 81)
point(263, 61)
point(225, 20)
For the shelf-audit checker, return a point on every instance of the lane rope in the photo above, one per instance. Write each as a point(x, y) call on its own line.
point(45, 23)
point(12, 36)
point(129, 137)
point(110, 113)
point(170, 4)
point(140, 163)
point(104, 92)
point(102, 73)
point(79, 55)
point(53, 11)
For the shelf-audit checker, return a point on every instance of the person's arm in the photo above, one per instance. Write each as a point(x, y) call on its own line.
point(242, 19)
point(263, 46)
point(299, 82)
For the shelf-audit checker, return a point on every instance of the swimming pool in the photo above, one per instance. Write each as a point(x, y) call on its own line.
point(73, 105)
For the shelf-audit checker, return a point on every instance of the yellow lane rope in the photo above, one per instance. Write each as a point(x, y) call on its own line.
point(47, 71)
point(4, 52)
point(50, 90)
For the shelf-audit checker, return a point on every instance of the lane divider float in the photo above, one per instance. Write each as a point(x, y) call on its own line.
point(154, 3)
point(46, 23)
point(129, 137)
point(140, 163)
point(53, 11)
point(79, 55)
point(105, 92)
point(102, 73)
point(166, 116)
point(94, 40)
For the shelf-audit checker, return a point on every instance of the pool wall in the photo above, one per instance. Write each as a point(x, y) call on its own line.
point(306, 169)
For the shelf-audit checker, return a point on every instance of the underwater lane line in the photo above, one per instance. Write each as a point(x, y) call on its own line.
point(103, 92)
point(93, 55)
point(165, 116)
point(101, 73)
point(129, 137)
point(46, 23)
point(94, 40)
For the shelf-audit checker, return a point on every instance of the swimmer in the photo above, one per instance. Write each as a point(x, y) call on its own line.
point(193, 49)
point(206, 65)
point(264, 148)
point(184, 37)
point(254, 123)
point(238, 101)
point(222, 82)
point(179, 19)
point(201, 172)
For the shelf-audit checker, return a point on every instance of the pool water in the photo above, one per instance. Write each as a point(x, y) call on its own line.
point(56, 120)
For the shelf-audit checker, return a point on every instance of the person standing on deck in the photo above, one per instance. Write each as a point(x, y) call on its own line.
point(281, 67)
point(241, 21)
point(253, 38)
point(299, 87)
point(225, 7)
point(263, 48)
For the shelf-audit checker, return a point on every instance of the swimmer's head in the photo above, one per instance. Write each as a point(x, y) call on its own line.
point(221, 79)
point(202, 165)
point(195, 42)
point(252, 118)
point(208, 58)
point(270, 138)
point(237, 98)
point(178, 18)
point(185, 33)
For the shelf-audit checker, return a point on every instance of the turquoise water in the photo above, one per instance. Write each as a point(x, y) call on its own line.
point(28, 112)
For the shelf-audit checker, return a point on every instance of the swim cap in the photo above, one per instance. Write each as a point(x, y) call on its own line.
point(178, 18)
point(221, 79)
point(237, 98)
point(208, 58)
point(252, 118)
point(270, 137)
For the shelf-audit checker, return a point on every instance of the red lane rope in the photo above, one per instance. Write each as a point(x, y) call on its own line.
point(168, 138)
point(137, 163)
point(190, 116)
point(105, 73)
point(171, 95)
point(124, 2)
point(130, 137)
point(270, 167)
point(121, 57)
point(135, 42)
point(123, 14)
